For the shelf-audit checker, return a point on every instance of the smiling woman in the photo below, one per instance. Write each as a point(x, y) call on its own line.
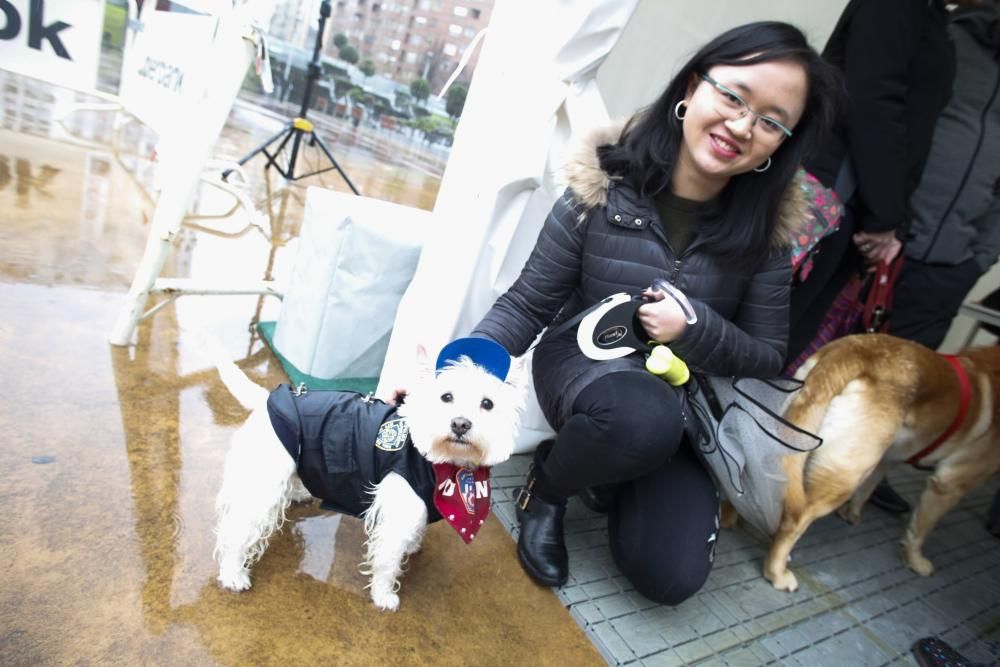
point(723, 135)
point(697, 190)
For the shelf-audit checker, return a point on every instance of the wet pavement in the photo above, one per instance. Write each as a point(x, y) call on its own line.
point(111, 456)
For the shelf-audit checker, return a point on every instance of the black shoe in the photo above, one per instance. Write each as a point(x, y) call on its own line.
point(541, 546)
point(600, 498)
point(932, 652)
point(885, 497)
point(993, 521)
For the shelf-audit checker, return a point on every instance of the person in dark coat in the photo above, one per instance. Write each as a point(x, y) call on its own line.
point(698, 190)
point(898, 66)
point(954, 237)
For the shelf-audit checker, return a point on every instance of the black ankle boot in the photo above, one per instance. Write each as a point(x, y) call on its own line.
point(886, 497)
point(993, 522)
point(541, 546)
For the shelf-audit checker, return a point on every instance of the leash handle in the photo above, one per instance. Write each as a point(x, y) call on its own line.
point(661, 285)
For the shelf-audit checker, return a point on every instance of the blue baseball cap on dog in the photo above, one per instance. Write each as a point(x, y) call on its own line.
point(483, 352)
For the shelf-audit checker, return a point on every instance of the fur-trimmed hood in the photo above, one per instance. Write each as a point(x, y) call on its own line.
point(590, 184)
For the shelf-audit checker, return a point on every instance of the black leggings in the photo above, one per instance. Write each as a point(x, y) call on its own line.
point(626, 428)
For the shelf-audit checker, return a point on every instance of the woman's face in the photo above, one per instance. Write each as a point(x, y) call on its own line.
point(718, 143)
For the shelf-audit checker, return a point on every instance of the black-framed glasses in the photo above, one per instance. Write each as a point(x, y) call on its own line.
point(733, 107)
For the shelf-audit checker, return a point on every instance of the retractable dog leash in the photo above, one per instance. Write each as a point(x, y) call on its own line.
point(610, 329)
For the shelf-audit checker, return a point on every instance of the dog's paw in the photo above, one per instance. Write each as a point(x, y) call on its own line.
point(851, 516)
point(386, 600)
point(783, 581)
point(918, 563)
point(236, 582)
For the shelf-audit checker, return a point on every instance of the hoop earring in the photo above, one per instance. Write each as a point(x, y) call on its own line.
point(761, 170)
point(677, 110)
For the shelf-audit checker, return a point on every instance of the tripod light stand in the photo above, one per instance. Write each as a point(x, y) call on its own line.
point(299, 128)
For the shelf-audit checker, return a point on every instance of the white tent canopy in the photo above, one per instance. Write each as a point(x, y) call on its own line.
point(548, 70)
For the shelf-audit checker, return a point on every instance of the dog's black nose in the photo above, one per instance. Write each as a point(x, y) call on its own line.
point(460, 425)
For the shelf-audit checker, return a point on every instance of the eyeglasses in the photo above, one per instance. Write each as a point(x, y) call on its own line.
point(733, 107)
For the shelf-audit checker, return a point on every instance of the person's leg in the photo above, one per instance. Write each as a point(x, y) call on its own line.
point(664, 527)
point(927, 298)
point(623, 425)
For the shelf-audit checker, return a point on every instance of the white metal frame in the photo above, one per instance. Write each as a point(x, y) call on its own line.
point(980, 314)
point(234, 48)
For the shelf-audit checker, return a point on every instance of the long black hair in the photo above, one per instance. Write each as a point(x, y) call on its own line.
point(748, 206)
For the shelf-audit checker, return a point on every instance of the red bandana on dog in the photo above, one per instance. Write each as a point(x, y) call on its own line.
point(462, 496)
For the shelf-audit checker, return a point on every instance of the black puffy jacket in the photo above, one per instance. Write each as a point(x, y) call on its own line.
point(601, 238)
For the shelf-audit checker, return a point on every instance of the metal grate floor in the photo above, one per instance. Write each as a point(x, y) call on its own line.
point(857, 604)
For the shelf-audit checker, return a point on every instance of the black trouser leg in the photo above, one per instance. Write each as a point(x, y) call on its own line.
point(624, 425)
point(927, 298)
point(664, 527)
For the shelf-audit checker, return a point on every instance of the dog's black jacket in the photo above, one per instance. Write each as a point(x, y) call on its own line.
point(331, 435)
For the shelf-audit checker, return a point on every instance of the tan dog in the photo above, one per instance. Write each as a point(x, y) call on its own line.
point(877, 400)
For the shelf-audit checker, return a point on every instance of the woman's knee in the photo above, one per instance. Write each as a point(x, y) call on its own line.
point(638, 414)
point(664, 584)
point(664, 575)
point(664, 527)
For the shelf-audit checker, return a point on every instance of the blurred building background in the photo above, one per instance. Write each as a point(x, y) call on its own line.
point(416, 39)
point(395, 55)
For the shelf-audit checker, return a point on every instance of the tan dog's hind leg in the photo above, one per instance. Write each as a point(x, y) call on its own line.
point(856, 432)
point(851, 511)
point(943, 491)
point(827, 490)
point(776, 563)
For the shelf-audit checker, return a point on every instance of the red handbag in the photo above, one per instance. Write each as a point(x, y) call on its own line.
point(848, 314)
point(878, 305)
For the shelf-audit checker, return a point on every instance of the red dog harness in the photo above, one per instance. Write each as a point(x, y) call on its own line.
point(963, 407)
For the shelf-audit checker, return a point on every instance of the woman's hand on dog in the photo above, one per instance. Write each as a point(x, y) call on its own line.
point(662, 318)
point(396, 398)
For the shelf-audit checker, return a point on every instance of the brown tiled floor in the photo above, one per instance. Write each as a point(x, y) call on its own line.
point(111, 457)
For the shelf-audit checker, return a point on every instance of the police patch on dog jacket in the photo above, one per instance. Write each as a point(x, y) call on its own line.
point(343, 444)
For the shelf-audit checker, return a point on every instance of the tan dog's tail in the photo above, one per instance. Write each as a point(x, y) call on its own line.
point(810, 405)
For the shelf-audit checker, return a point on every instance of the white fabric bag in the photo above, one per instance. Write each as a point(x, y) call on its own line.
point(743, 439)
point(355, 259)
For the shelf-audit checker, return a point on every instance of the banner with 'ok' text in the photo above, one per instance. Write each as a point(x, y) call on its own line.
point(58, 41)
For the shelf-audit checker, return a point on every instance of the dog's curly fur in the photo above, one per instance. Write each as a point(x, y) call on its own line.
point(260, 481)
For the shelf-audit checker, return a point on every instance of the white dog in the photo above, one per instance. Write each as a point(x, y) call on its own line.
point(398, 469)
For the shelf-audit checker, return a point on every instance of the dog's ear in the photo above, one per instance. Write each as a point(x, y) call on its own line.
point(517, 376)
point(424, 367)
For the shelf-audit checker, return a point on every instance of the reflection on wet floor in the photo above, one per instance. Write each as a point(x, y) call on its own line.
point(111, 457)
